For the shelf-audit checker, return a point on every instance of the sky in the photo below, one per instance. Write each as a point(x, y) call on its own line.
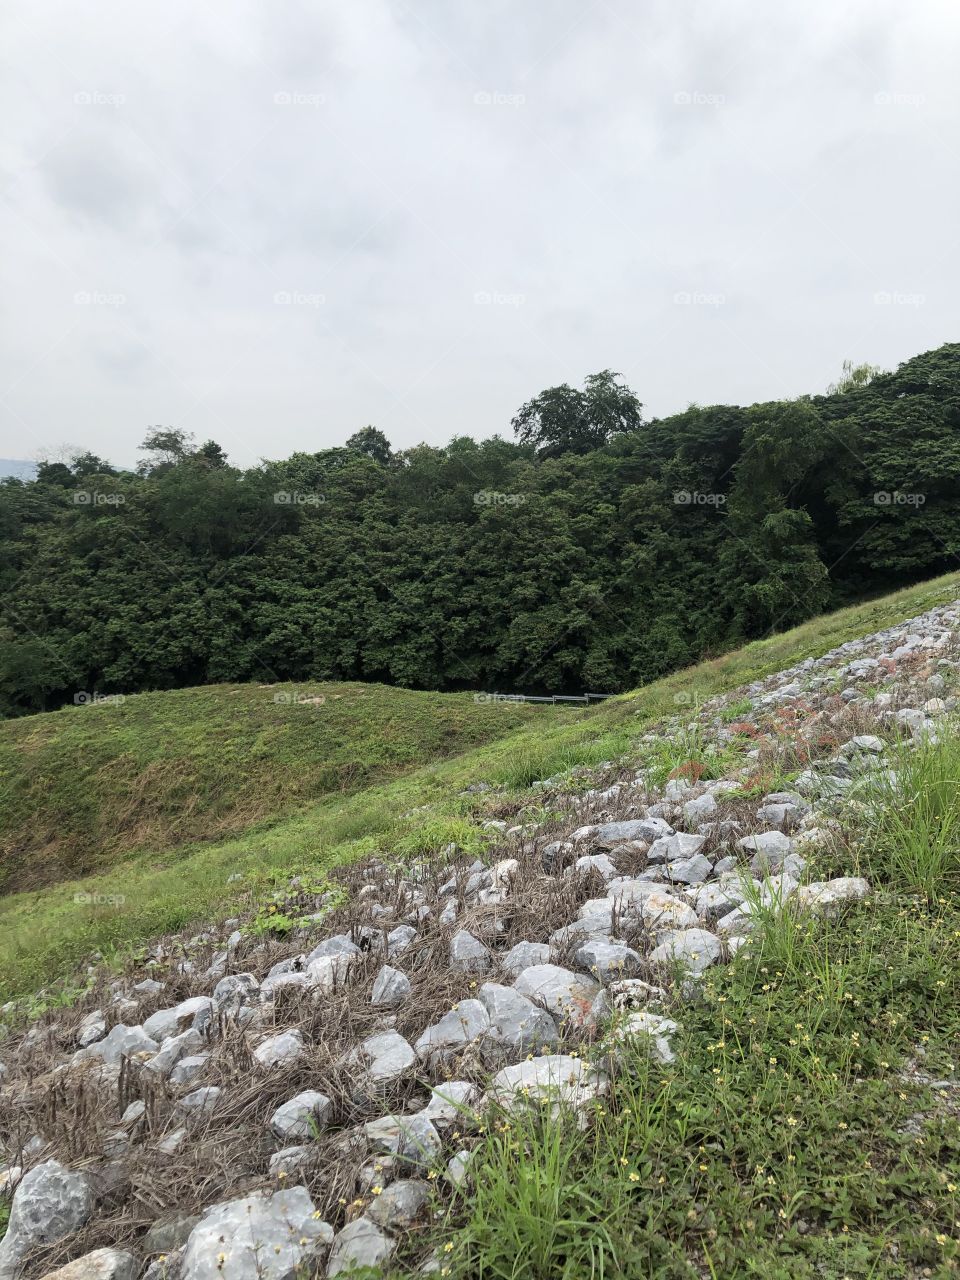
point(273, 223)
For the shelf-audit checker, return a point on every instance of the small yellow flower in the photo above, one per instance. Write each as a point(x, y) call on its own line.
point(448, 1247)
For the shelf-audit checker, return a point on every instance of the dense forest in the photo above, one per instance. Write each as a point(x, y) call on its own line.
point(595, 551)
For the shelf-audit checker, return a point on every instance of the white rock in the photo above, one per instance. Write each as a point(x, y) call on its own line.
point(468, 954)
point(523, 955)
point(92, 1028)
point(280, 1050)
point(50, 1203)
point(702, 809)
point(516, 1025)
point(464, 1023)
point(608, 961)
point(390, 988)
point(360, 1244)
point(121, 1042)
point(383, 1059)
point(693, 949)
point(661, 912)
point(102, 1264)
point(169, 1022)
point(450, 1103)
point(689, 870)
point(261, 1237)
point(826, 897)
point(302, 1117)
point(568, 996)
point(649, 1027)
point(558, 1079)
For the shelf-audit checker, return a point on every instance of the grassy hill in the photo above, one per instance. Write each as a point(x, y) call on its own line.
point(371, 772)
point(85, 787)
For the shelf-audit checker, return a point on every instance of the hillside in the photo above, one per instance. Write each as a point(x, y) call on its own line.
point(589, 555)
point(46, 933)
point(85, 787)
point(669, 990)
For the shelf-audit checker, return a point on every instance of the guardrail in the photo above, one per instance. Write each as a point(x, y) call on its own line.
point(583, 698)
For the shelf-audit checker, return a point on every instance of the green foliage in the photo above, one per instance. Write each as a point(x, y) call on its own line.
point(564, 420)
point(597, 554)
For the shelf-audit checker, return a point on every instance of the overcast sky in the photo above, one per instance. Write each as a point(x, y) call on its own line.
point(272, 223)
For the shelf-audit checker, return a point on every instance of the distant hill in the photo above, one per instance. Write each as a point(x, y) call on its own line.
point(18, 468)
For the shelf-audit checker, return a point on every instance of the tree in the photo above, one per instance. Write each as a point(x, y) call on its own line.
point(372, 444)
point(210, 454)
point(566, 420)
point(852, 377)
point(167, 447)
point(88, 464)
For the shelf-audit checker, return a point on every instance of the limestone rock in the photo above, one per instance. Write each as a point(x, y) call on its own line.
point(302, 1117)
point(260, 1237)
point(390, 988)
point(567, 995)
point(280, 1050)
point(50, 1203)
point(360, 1244)
point(102, 1264)
point(516, 1025)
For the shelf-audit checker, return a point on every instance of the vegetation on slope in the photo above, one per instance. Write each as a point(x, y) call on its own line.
point(88, 786)
point(598, 553)
point(45, 935)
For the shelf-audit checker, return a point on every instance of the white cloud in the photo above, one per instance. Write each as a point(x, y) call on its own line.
point(463, 203)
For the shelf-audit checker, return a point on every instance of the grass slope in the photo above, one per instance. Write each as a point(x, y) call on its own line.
point(808, 1127)
point(45, 934)
point(86, 787)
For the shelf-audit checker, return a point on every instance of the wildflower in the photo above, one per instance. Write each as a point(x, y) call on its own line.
point(448, 1247)
point(792, 1121)
point(634, 1177)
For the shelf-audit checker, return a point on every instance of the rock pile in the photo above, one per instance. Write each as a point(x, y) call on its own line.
point(241, 1105)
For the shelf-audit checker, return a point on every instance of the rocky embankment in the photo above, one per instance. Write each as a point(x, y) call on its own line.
point(250, 1106)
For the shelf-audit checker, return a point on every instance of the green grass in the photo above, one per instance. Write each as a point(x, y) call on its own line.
point(84, 787)
point(793, 1138)
point(161, 886)
point(914, 819)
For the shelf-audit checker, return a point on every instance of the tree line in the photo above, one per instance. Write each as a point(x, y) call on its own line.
point(596, 550)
